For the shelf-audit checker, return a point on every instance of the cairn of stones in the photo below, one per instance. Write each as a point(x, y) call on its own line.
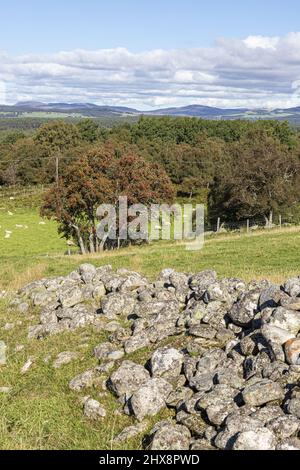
point(222, 355)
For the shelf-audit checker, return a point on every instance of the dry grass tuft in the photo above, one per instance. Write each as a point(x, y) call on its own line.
point(30, 274)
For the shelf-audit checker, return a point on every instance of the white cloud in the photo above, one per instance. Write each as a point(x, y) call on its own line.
point(261, 42)
point(2, 92)
point(255, 72)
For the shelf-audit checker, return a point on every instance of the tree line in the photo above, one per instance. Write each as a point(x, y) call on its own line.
point(239, 169)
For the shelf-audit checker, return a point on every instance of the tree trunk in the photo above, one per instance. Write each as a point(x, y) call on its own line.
point(269, 219)
point(91, 240)
point(80, 240)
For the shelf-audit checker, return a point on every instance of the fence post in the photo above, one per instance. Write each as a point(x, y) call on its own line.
point(280, 221)
point(218, 225)
point(248, 225)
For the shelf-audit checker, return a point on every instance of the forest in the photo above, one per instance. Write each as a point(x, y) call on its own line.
point(238, 169)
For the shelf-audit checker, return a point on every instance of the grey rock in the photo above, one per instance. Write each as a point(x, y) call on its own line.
point(87, 272)
point(196, 425)
point(202, 382)
point(27, 366)
point(293, 407)
point(116, 304)
point(136, 342)
point(218, 412)
point(71, 296)
point(235, 424)
point(274, 334)
point(284, 426)
point(171, 437)
point(64, 358)
point(202, 331)
point(200, 282)
point(130, 432)
point(108, 352)
point(292, 287)
point(23, 307)
point(94, 410)
point(150, 398)
point(267, 414)
point(288, 320)
point(84, 380)
point(99, 291)
point(166, 362)
point(262, 392)
point(128, 378)
point(289, 444)
point(245, 309)
point(179, 395)
point(261, 439)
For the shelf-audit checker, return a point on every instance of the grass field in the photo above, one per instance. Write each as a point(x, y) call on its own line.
point(35, 250)
point(41, 412)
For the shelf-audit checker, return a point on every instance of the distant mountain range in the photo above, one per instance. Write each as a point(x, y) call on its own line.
point(54, 110)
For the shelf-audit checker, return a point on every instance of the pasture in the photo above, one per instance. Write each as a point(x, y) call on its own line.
point(49, 416)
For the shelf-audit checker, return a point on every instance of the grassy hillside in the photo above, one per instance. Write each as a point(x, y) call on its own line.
point(40, 412)
point(34, 249)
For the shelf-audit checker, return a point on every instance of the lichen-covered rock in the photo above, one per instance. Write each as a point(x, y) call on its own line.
point(292, 287)
point(293, 407)
point(235, 424)
point(274, 334)
point(262, 392)
point(87, 272)
point(128, 378)
point(64, 358)
point(261, 439)
point(94, 410)
point(179, 395)
point(195, 423)
point(166, 362)
point(288, 320)
point(289, 444)
point(108, 352)
point(150, 398)
point(171, 437)
point(130, 432)
point(245, 309)
point(284, 426)
point(84, 380)
point(71, 296)
point(224, 355)
point(116, 304)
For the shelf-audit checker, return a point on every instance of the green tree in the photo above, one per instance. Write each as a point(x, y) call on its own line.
point(57, 136)
point(260, 177)
point(88, 130)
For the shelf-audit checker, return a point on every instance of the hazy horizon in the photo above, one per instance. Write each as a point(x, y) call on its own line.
point(147, 56)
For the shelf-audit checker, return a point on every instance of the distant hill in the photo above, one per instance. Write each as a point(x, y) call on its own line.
point(81, 110)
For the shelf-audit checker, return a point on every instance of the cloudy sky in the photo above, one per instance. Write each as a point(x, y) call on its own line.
point(149, 54)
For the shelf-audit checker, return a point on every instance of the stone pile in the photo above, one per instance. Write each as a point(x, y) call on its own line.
point(223, 355)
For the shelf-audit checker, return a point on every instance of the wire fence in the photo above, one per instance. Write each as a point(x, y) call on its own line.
point(17, 192)
point(253, 224)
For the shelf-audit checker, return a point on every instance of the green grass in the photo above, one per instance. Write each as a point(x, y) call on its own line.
point(38, 251)
point(41, 412)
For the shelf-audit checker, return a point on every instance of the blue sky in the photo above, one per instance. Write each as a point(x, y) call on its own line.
point(151, 53)
point(45, 26)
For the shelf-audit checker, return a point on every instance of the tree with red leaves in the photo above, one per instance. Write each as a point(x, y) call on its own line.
point(100, 176)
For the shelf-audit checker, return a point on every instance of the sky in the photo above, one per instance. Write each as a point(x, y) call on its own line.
point(151, 53)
